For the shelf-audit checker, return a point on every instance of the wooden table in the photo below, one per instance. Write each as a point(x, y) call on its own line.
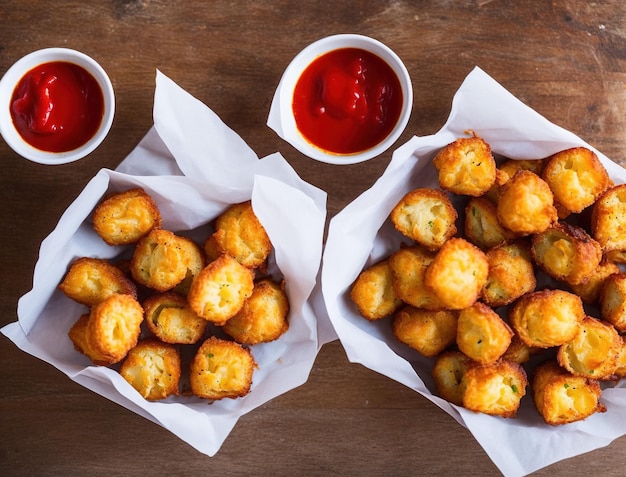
point(565, 59)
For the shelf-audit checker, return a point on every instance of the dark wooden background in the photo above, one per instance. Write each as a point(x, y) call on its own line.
point(565, 59)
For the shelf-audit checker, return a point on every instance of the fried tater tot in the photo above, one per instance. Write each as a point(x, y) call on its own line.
point(511, 274)
point(78, 337)
point(125, 217)
point(481, 334)
point(518, 351)
point(211, 248)
point(91, 280)
point(221, 369)
point(561, 397)
point(511, 166)
point(426, 216)
point(507, 169)
point(239, 233)
point(576, 177)
point(482, 227)
point(263, 317)
point(457, 274)
point(495, 389)
point(408, 267)
point(593, 352)
point(493, 194)
point(589, 291)
point(153, 368)
point(448, 372)
point(113, 327)
point(373, 292)
point(613, 301)
point(526, 204)
point(547, 318)
point(163, 260)
point(428, 332)
point(170, 318)
point(219, 291)
point(466, 166)
point(566, 252)
point(608, 219)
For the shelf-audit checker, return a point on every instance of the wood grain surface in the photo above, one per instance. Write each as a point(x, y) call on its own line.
point(564, 58)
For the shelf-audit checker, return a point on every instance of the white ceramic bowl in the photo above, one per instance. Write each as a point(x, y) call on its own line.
point(15, 73)
point(304, 59)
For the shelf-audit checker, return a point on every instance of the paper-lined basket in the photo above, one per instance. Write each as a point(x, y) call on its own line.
point(362, 234)
point(194, 167)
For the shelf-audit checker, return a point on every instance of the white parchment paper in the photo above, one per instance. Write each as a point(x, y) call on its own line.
point(194, 166)
point(361, 234)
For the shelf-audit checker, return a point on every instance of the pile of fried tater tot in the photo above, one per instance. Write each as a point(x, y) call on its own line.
point(175, 297)
point(508, 278)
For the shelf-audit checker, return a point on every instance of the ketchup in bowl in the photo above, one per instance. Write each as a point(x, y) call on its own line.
point(57, 106)
point(347, 101)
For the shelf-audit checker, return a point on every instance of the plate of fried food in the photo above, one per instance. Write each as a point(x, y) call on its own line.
point(180, 285)
point(487, 276)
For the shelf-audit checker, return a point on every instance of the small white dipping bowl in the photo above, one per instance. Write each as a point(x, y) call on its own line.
point(13, 76)
point(293, 72)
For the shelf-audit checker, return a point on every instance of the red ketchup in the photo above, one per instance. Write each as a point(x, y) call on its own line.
point(347, 101)
point(57, 106)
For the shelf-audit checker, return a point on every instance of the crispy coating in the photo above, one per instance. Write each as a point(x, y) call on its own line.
point(593, 352)
point(163, 260)
point(211, 248)
point(608, 219)
point(482, 227)
point(561, 397)
point(617, 256)
point(219, 291)
point(448, 372)
point(113, 327)
point(589, 291)
point(511, 274)
point(507, 169)
point(620, 367)
point(221, 369)
point(511, 166)
point(170, 318)
point(91, 280)
point(428, 332)
point(426, 216)
point(263, 317)
point(481, 334)
point(457, 274)
point(408, 266)
point(373, 292)
point(194, 260)
point(576, 177)
point(153, 368)
point(493, 194)
point(239, 233)
point(566, 252)
point(125, 217)
point(78, 337)
point(526, 204)
point(466, 166)
point(613, 300)
point(547, 318)
point(496, 388)
point(518, 351)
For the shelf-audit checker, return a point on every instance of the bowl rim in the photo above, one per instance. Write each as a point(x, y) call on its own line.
point(315, 50)
point(14, 74)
